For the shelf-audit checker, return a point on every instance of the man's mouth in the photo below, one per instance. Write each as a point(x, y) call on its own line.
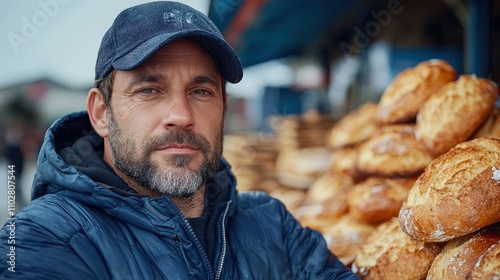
point(179, 148)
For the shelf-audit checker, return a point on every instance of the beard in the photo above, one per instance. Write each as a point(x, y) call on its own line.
point(176, 180)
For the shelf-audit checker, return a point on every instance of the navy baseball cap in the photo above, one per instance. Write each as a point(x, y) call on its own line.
point(140, 31)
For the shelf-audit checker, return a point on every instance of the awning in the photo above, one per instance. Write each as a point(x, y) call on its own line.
point(263, 30)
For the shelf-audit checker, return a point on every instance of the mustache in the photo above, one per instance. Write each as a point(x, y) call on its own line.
point(177, 137)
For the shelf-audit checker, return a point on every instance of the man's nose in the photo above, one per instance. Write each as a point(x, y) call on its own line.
point(178, 113)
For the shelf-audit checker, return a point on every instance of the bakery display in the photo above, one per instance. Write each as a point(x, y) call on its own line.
point(395, 187)
point(455, 112)
point(403, 98)
point(457, 194)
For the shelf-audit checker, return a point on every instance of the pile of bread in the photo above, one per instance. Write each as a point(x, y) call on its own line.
point(252, 158)
point(301, 141)
point(413, 191)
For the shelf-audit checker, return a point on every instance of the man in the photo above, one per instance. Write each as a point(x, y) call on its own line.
point(136, 188)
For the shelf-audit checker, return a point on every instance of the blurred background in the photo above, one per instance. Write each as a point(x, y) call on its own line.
point(307, 64)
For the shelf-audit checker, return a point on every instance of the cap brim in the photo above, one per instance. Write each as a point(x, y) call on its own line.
point(225, 57)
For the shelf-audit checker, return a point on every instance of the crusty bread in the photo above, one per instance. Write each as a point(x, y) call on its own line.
point(393, 152)
point(345, 236)
point(378, 199)
point(326, 186)
point(488, 265)
point(354, 128)
point(459, 256)
point(458, 193)
point(344, 161)
point(455, 112)
point(325, 201)
point(336, 206)
point(491, 127)
point(300, 168)
point(406, 94)
point(390, 254)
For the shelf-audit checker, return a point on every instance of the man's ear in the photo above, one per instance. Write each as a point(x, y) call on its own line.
point(96, 109)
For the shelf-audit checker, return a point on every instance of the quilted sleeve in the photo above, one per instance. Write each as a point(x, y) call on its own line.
point(35, 245)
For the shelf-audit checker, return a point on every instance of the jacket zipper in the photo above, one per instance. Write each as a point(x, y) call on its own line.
point(191, 233)
point(224, 243)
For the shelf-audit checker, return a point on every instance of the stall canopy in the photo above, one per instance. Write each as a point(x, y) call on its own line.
point(262, 30)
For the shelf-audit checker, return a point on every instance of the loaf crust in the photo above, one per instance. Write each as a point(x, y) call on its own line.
point(488, 265)
point(460, 255)
point(344, 161)
point(354, 128)
point(455, 112)
point(393, 152)
point(406, 94)
point(458, 193)
point(378, 199)
point(345, 236)
point(390, 254)
point(491, 127)
point(326, 186)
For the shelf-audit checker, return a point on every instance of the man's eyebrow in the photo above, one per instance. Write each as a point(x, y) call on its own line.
point(146, 78)
point(206, 80)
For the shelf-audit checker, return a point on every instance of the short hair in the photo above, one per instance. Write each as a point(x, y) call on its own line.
point(105, 86)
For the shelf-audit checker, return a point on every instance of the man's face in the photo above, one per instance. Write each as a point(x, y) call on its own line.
point(166, 120)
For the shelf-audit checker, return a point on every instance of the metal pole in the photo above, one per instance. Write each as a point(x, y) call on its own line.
point(477, 51)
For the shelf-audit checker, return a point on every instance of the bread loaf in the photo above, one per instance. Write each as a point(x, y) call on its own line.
point(488, 265)
point(460, 255)
point(406, 94)
point(378, 199)
point(344, 161)
point(326, 186)
point(455, 112)
point(393, 152)
point(354, 128)
point(458, 193)
point(345, 236)
point(390, 254)
point(491, 127)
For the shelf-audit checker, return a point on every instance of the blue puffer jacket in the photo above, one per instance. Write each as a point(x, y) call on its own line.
point(77, 228)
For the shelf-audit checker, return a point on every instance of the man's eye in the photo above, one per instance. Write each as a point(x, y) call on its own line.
point(202, 92)
point(147, 91)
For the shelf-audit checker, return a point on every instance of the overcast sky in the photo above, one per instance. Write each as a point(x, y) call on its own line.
point(57, 39)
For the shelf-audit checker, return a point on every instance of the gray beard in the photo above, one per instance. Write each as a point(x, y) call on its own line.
point(177, 181)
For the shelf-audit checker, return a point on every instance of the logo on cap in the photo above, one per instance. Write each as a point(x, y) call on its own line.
point(177, 19)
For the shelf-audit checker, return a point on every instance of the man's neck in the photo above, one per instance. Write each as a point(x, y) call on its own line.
point(193, 206)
